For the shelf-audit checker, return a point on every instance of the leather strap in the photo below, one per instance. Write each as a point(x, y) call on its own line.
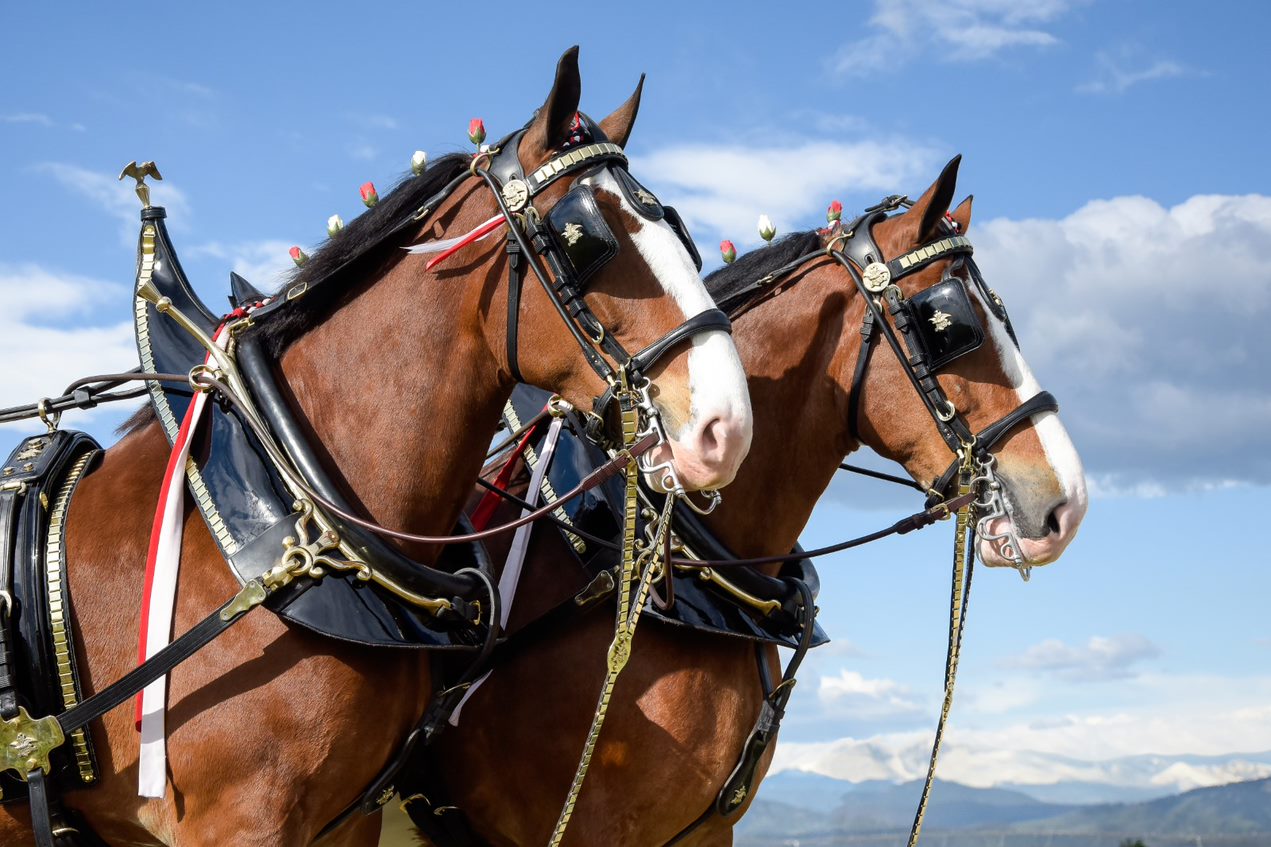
point(858, 376)
point(174, 654)
point(8, 684)
point(514, 304)
point(41, 811)
point(707, 321)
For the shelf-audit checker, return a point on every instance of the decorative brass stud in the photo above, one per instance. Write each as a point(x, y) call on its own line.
point(876, 277)
point(515, 195)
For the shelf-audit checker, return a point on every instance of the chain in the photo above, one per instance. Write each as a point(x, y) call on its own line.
point(639, 569)
point(957, 611)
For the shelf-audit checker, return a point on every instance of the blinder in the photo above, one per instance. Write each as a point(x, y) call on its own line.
point(946, 324)
point(581, 233)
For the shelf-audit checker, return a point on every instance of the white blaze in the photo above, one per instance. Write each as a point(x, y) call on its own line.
point(1059, 449)
point(717, 382)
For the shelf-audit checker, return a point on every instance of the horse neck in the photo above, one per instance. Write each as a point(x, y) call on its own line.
point(401, 395)
point(795, 348)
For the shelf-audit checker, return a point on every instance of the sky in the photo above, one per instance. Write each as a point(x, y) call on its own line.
point(1116, 151)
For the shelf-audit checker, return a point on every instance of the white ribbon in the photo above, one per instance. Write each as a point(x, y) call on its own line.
point(511, 576)
point(445, 244)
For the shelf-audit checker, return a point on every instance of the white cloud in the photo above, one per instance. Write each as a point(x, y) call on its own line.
point(116, 197)
point(722, 190)
point(1116, 74)
point(1100, 658)
point(961, 30)
point(36, 118)
point(41, 351)
point(853, 694)
point(1149, 324)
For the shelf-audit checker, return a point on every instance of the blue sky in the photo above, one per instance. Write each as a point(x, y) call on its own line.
point(1123, 210)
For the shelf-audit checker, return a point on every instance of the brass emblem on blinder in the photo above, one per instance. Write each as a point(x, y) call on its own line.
point(572, 233)
point(515, 195)
point(876, 277)
point(941, 321)
point(646, 198)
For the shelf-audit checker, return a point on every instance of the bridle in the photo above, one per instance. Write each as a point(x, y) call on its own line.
point(937, 325)
point(575, 242)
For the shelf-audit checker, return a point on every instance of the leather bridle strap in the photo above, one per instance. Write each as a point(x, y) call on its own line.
point(954, 432)
point(988, 438)
point(707, 321)
point(514, 304)
point(594, 359)
point(642, 362)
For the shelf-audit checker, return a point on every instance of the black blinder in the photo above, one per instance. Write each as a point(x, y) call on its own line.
point(581, 233)
point(946, 321)
point(675, 222)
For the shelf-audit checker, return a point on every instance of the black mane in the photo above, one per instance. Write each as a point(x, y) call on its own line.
point(730, 285)
point(358, 241)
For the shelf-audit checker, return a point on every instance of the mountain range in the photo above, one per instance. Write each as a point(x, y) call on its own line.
point(808, 810)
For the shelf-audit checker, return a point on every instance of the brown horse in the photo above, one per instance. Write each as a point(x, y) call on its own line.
point(400, 378)
point(687, 701)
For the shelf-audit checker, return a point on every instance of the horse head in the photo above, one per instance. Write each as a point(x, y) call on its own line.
point(962, 328)
point(635, 287)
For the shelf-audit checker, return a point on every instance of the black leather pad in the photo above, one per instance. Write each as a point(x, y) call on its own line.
point(946, 322)
point(581, 233)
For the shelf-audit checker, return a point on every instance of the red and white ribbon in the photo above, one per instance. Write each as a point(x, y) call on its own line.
point(159, 595)
point(511, 576)
point(449, 246)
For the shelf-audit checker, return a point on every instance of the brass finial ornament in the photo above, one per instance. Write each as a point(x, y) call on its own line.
point(139, 173)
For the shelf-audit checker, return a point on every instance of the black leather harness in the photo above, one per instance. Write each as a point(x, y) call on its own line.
point(38, 670)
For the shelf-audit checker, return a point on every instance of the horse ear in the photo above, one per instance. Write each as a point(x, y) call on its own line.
point(551, 123)
point(934, 202)
point(962, 215)
point(618, 125)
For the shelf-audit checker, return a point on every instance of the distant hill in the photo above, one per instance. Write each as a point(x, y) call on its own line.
point(952, 806)
point(1235, 815)
point(1237, 809)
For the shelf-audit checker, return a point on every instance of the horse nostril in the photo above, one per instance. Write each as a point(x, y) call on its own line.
point(1052, 520)
point(711, 437)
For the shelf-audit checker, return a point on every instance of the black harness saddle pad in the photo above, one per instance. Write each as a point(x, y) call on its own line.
point(699, 605)
point(38, 482)
point(242, 498)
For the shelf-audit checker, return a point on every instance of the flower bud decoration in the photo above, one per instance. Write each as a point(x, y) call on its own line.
point(298, 256)
point(834, 214)
point(727, 252)
point(369, 196)
point(419, 162)
point(335, 223)
point(476, 131)
point(766, 229)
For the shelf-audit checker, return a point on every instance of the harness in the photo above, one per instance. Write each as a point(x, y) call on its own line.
point(573, 241)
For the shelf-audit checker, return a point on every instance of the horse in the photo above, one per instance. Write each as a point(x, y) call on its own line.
point(398, 376)
point(687, 701)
